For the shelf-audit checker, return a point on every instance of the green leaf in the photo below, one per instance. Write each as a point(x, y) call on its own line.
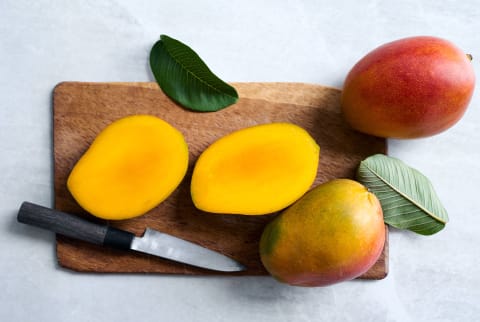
point(186, 79)
point(407, 196)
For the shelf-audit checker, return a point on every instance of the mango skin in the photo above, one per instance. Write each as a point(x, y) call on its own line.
point(133, 165)
point(410, 88)
point(334, 233)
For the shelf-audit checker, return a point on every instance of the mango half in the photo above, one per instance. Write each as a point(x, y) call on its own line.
point(132, 165)
point(256, 170)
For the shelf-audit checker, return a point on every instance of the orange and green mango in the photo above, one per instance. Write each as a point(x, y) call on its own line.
point(332, 234)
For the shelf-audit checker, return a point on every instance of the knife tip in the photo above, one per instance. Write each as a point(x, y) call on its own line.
point(235, 268)
point(241, 268)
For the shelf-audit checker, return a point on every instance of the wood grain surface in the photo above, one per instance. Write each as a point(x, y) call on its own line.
point(82, 110)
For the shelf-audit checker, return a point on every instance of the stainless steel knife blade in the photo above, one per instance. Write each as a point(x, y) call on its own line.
point(152, 242)
point(166, 246)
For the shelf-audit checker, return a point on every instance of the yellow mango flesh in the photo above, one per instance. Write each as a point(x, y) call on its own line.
point(255, 171)
point(332, 234)
point(132, 165)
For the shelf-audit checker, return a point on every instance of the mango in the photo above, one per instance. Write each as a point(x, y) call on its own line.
point(409, 88)
point(254, 171)
point(132, 165)
point(334, 233)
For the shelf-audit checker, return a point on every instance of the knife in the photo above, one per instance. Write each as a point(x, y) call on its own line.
point(152, 242)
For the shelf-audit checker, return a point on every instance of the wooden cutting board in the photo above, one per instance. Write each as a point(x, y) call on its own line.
point(82, 110)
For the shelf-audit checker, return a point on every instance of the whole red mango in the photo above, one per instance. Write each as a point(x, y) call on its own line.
point(409, 88)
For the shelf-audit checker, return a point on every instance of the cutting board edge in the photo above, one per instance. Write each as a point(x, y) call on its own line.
point(154, 84)
point(240, 86)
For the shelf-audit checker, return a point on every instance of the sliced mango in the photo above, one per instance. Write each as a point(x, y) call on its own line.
point(132, 165)
point(255, 171)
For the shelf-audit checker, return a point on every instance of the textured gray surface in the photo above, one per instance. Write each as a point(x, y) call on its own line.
point(44, 42)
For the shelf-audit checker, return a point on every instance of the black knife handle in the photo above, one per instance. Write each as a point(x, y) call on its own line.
point(73, 226)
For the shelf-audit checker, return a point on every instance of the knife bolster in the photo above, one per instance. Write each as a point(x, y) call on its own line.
point(118, 238)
